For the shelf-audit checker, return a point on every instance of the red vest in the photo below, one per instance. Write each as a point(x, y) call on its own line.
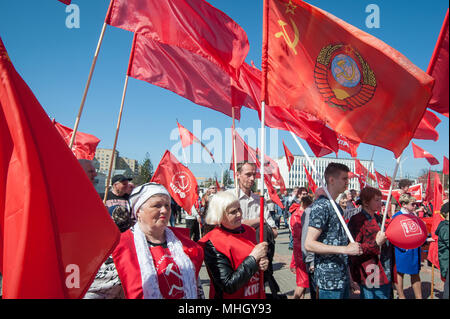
point(127, 265)
point(236, 247)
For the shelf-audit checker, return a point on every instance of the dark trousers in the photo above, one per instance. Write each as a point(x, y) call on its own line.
point(194, 231)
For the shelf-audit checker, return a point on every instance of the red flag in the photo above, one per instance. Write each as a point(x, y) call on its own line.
point(311, 183)
point(445, 166)
point(51, 244)
point(193, 25)
point(66, 1)
point(273, 171)
point(289, 157)
point(438, 69)
point(218, 186)
point(187, 138)
point(244, 153)
point(427, 127)
point(84, 145)
point(429, 191)
point(345, 77)
point(187, 74)
point(437, 218)
point(383, 182)
point(421, 153)
point(362, 170)
point(347, 145)
point(178, 180)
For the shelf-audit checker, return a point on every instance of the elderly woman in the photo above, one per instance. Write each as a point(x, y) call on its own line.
point(155, 261)
point(232, 257)
point(408, 260)
point(378, 253)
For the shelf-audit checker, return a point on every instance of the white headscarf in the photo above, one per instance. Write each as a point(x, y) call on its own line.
point(149, 275)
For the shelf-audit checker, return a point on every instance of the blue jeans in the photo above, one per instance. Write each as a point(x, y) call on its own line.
point(343, 293)
point(383, 292)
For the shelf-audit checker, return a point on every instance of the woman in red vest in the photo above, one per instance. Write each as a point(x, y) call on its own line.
point(153, 260)
point(232, 257)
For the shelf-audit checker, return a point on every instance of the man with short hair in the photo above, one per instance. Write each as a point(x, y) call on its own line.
point(117, 202)
point(89, 168)
point(326, 238)
point(249, 201)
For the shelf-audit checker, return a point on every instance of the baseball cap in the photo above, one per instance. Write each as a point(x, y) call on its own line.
point(120, 178)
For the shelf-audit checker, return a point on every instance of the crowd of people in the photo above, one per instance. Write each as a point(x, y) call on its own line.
point(154, 259)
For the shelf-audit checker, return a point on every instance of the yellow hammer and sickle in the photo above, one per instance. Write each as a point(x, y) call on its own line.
point(290, 43)
point(343, 73)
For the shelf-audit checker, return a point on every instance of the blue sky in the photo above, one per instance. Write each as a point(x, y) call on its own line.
point(55, 60)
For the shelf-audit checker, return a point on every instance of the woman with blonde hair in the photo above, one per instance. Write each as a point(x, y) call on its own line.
point(232, 257)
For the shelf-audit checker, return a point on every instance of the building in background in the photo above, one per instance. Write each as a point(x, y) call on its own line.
point(297, 175)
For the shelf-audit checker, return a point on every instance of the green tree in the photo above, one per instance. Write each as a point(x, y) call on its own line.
point(226, 179)
point(145, 171)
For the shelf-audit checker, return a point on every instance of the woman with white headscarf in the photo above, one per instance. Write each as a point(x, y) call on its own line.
point(153, 260)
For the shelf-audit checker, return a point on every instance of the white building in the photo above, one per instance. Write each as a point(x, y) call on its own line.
point(297, 175)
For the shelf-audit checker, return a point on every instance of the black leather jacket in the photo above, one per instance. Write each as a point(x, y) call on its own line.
point(221, 272)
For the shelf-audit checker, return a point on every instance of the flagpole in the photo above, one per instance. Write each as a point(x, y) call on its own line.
point(368, 170)
point(83, 100)
point(108, 180)
point(234, 154)
point(322, 183)
point(388, 201)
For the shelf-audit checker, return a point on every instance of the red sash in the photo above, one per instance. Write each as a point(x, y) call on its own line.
point(127, 265)
point(236, 247)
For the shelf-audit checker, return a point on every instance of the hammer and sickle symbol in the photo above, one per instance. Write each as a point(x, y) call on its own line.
point(343, 73)
point(287, 39)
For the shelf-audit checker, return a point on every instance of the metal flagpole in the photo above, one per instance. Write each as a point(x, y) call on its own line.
point(108, 180)
point(236, 187)
point(388, 201)
point(368, 169)
point(83, 100)
point(261, 197)
point(322, 183)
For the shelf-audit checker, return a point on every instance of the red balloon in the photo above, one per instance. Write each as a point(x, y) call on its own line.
point(407, 231)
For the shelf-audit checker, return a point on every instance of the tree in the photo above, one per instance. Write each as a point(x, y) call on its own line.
point(226, 179)
point(145, 171)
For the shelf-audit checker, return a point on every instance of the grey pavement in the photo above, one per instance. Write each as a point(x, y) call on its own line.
point(287, 283)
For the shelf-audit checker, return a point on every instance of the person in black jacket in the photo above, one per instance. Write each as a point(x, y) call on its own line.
point(232, 257)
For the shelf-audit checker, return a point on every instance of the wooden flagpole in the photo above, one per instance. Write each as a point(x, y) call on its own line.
point(108, 180)
point(86, 89)
point(388, 201)
point(322, 183)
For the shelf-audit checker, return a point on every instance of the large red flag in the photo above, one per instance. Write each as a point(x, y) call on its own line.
point(51, 243)
point(311, 183)
point(427, 127)
point(351, 80)
point(438, 68)
point(187, 139)
point(383, 182)
point(421, 153)
point(445, 166)
point(187, 74)
point(289, 157)
point(437, 218)
point(193, 25)
point(85, 144)
point(179, 181)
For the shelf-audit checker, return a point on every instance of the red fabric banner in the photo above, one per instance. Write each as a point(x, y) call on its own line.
point(186, 74)
point(437, 218)
point(187, 139)
point(195, 25)
point(289, 157)
point(383, 182)
point(51, 242)
point(438, 69)
point(347, 78)
point(427, 127)
point(311, 183)
point(84, 145)
point(178, 180)
point(347, 145)
point(421, 153)
point(445, 166)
